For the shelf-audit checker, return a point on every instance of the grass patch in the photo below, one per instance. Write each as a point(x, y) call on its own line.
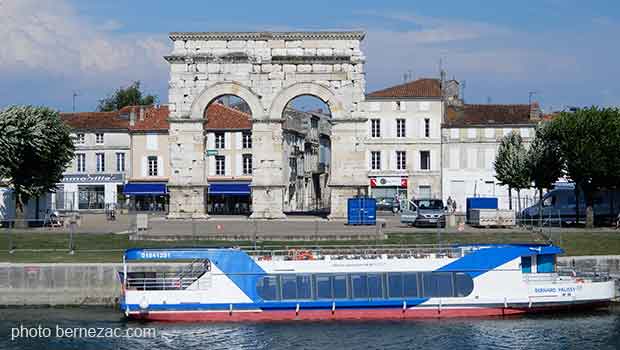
point(54, 247)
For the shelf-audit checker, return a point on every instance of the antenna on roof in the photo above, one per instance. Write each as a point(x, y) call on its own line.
point(463, 85)
point(75, 94)
point(529, 97)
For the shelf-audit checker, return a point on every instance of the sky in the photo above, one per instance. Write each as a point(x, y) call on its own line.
point(565, 51)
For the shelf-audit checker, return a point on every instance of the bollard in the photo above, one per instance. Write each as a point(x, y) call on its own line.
point(72, 225)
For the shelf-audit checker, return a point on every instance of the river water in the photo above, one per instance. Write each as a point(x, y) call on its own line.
point(595, 330)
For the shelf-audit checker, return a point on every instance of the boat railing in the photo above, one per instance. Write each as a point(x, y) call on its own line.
point(567, 276)
point(336, 252)
point(159, 283)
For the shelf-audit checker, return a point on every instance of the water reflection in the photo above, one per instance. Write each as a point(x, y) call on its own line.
point(589, 331)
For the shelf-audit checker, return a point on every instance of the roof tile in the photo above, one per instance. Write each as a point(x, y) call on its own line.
point(424, 87)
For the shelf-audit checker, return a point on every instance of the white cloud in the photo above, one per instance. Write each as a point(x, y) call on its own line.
point(50, 36)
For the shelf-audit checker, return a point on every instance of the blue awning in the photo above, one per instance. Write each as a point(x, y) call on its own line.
point(230, 189)
point(145, 189)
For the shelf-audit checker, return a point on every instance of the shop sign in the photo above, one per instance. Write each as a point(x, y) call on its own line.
point(92, 178)
point(212, 152)
point(392, 181)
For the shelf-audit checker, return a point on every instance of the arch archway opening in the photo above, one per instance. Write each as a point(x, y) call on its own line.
point(306, 131)
point(228, 155)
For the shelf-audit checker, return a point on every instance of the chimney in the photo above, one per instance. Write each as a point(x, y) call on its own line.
point(141, 113)
point(132, 117)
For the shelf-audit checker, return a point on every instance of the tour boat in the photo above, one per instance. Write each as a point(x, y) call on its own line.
point(230, 284)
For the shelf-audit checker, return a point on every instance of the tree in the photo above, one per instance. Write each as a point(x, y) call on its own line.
point(36, 148)
point(589, 140)
point(544, 162)
point(511, 166)
point(129, 96)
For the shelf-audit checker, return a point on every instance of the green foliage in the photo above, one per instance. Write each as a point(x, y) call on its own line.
point(544, 158)
point(36, 148)
point(129, 96)
point(589, 142)
point(511, 163)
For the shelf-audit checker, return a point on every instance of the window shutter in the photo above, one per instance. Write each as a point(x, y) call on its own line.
point(239, 140)
point(227, 144)
point(211, 165)
point(393, 160)
point(160, 166)
point(144, 166)
point(421, 128)
point(384, 160)
point(210, 140)
point(239, 164)
point(227, 170)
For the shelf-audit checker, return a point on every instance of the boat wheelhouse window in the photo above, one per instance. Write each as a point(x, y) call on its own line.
point(323, 287)
point(463, 284)
point(289, 286)
point(359, 286)
point(395, 285)
point(526, 264)
point(375, 285)
point(340, 287)
point(410, 284)
point(304, 287)
point(545, 263)
point(437, 284)
point(268, 288)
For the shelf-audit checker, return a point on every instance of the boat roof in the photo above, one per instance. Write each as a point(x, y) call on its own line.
point(171, 254)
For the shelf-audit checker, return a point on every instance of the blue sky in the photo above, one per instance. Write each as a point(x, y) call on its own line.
point(567, 51)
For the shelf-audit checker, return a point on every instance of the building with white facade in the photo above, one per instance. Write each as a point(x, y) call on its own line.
point(95, 178)
point(403, 140)
point(229, 159)
point(471, 136)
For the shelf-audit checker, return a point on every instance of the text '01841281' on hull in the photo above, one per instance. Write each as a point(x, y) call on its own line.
point(353, 283)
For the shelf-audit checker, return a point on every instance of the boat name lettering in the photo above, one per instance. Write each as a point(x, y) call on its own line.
point(154, 255)
point(555, 290)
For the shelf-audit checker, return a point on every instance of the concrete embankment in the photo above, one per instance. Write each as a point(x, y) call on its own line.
point(42, 284)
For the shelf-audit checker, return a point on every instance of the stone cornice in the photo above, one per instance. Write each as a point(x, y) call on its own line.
point(241, 57)
point(345, 35)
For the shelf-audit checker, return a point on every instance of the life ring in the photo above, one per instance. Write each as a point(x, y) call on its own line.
point(304, 255)
point(579, 280)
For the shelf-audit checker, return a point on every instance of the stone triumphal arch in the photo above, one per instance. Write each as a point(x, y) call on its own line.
point(267, 70)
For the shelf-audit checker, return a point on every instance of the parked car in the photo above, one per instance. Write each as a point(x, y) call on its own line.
point(388, 204)
point(423, 212)
point(560, 205)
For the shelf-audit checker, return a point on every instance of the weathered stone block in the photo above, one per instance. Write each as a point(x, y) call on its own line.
point(276, 44)
point(214, 68)
point(278, 52)
point(321, 68)
point(215, 44)
point(276, 75)
point(324, 52)
point(293, 43)
point(309, 52)
point(295, 52)
point(236, 44)
point(289, 68)
point(304, 68)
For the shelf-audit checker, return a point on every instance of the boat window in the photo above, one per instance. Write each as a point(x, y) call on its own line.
point(289, 286)
point(323, 287)
point(395, 285)
point(526, 264)
point(268, 288)
point(463, 284)
point(375, 286)
point(437, 284)
point(359, 286)
point(340, 287)
point(545, 263)
point(410, 284)
point(304, 287)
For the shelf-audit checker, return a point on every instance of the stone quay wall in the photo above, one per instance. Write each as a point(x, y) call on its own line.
point(53, 284)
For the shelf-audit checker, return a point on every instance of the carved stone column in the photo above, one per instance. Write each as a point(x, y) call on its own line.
point(188, 183)
point(267, 180)
point(348, 176)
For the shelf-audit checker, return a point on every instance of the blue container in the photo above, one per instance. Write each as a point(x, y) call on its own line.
point(480, 203)
point(361, 211)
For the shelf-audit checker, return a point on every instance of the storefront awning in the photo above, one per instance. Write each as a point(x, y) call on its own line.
point(145, 189)
point(230, 189)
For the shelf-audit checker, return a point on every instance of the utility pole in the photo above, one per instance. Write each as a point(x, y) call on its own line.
point(75, 94)
point(529, 99)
